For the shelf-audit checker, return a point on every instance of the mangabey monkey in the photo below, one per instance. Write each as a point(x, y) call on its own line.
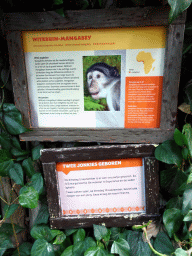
point(104, 81)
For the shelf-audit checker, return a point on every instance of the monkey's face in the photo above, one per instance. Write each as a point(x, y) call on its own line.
point(96, 82)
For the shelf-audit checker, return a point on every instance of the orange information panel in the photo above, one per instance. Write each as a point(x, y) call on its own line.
point(107, 186)
point(143, 102)
point(95, 78)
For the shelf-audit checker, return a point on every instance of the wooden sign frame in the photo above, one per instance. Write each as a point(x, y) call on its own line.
point(50, 157)
point(15, 23)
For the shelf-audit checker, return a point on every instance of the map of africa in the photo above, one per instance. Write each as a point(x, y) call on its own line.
point(147, 60)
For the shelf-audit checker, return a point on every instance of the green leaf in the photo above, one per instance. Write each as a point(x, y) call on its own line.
point(79, 235)
point(60, 238)
point(69, 232)
point(28, 197)
point(79, 249)
point(42, 216)
point(95, 251)
point(179, 138)
point(163, 244)
point(188, 217)
point(5, 166)
point(187, 201)
point(180, 252)
point(37, 182)
point(137, 246)
point(9, 210)
point(187, 131)
point(5, 155)
point(42, 248)
point(42, 232)
point(99, 231)
point(177, 7)
point(172, 219)
point(24, 250)
point(28, 167)
point(169, 152)
point(36, 152)
point(5, 243)
point(115, 232)
point(175, 202)
point(16, 174)
point(189, 180)
point(185, 153)
point(68, 251)
point(5, 141)
point(7, 229)
point(12, 119)
point(89, 242)
point(120, 247)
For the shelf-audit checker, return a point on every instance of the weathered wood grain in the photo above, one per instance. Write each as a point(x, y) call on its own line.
point(104, 18)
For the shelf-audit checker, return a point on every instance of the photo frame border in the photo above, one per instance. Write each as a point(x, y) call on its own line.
point(15, 23)
point(50, 157)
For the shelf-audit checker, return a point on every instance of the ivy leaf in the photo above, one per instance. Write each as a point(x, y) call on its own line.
point(28, 167)
point(5, 243)
point(24, 250)
point(163, 244)
point(95, 251)
point(179, 138)
point(68, 251)
point(120, 247)
point(36, 152)
point(137, 245)
point(42, 216)
point(37, 182)
point(12, 119)
point(79, 236)
point(172, 219)
point(28, 197)
point(99, 231)
point(60, 238)
point(5, 141)
point(9, 210)
point(42, 232)
point(41, 248)
point(187, 131)
point(180, 252)
point(16, 174)
point(69, 232)
point(5, 167)
point(187, 201)
point(169, 152)
point(177, 7)
point(188, 217)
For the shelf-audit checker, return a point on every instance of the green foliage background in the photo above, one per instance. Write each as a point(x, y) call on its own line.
point(89, 103)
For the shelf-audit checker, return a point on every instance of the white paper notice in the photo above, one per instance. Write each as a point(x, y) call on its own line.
point(102, 187)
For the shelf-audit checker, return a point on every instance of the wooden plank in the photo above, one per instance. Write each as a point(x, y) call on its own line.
point(172, 70)
point(99, 135)
point(52, 189)
point(124, 17)
point(151, 181)
point(19, 77)
point(118, 221)
point(96, 153)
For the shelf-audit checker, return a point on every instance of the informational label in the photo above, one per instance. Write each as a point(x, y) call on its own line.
point(95, 78)
point(102, 187)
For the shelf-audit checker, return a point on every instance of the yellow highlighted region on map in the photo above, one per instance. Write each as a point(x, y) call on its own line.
point(147, 60)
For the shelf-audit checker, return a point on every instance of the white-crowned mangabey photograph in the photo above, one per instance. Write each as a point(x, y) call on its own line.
point(104, 81)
